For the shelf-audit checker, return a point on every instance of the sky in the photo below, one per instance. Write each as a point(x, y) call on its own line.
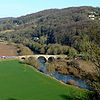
point(16, 8)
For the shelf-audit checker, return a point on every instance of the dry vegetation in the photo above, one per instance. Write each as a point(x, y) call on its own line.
point(23, 50)
point(7, 50)
point(87, 66)
point(5, 31)
point(12, 49)
point(78, 68)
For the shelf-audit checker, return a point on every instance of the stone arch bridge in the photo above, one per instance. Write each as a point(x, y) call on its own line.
point(44, 56)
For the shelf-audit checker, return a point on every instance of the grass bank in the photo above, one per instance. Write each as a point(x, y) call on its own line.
point(21, 82)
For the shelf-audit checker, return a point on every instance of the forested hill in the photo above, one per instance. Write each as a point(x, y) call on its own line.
point(63, 26)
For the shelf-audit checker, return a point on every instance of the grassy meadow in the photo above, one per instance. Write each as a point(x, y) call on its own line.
point(21, 82)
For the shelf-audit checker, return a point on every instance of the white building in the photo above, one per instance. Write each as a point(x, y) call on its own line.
point(92, 15)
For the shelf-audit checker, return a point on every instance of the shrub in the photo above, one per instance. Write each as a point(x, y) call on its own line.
point(32, 61)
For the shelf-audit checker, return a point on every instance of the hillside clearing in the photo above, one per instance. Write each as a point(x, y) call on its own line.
point(7, 50)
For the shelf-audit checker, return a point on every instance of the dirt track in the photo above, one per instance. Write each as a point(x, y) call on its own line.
point(7, 50)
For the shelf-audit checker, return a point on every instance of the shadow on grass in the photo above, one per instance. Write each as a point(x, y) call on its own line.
point(65, 97)
point(22, 62)
point(11, 99)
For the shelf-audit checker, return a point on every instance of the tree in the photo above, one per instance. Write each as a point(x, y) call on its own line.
point(72, 52)
point(91, 51)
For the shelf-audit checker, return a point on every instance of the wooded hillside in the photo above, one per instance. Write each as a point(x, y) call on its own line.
point(70, 27)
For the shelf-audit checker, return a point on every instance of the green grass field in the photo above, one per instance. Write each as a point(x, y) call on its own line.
point(20, 82)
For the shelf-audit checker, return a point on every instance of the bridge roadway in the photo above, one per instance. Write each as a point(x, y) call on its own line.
point(35, 56)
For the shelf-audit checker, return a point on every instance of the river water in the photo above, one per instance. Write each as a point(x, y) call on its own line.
point(81, 83)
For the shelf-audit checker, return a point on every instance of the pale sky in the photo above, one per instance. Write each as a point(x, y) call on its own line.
point(16, 8)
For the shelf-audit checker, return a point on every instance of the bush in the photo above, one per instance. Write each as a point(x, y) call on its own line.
point(72, 53)
point(32, 61)
point(23, 50)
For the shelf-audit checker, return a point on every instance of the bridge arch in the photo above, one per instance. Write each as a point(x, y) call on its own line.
point(23, 58)
point(42, 59)
point(58, 58)
point(51, 59)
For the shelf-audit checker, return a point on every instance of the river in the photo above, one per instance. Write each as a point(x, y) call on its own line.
point(81, 83)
